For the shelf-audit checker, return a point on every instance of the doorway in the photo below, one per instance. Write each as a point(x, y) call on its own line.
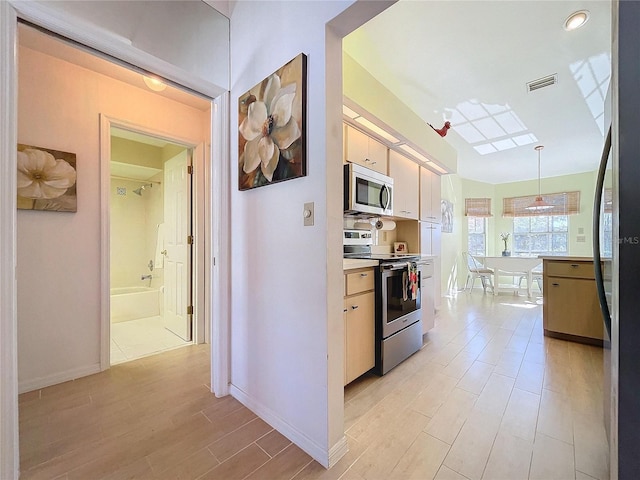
point(150, 217)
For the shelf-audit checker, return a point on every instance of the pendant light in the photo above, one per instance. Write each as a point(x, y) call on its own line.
point(539, 205)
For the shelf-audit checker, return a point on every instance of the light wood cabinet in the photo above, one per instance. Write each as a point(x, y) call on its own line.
point(430, 191)
point(427, 296)
point(406, 185)
point(571, 309)
point(359, 324)
point(366, 151)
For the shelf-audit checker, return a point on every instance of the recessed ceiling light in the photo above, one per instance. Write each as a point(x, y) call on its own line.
point(576, 20)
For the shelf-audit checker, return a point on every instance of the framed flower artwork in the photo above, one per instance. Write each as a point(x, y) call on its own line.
point(46, 179)
point(272, 131)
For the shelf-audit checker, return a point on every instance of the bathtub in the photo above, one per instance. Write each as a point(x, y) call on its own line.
point(130, 303)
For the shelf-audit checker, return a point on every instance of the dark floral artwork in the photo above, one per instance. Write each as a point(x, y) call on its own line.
point(271, 117)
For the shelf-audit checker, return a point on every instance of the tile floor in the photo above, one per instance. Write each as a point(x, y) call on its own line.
point(488, 397)
point(139, 338)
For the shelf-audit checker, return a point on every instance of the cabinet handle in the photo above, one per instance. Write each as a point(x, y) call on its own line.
point(344, 311)
point(364, 274)
point(574, 265)
point(367, 160)
point(555, 284)
point(431, 216)
point(354, 307)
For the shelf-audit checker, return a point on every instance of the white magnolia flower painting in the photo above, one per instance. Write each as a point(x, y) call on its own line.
point(271, 119)
point(46, 179)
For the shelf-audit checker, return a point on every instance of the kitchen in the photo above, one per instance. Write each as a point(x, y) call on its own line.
point(480, 180)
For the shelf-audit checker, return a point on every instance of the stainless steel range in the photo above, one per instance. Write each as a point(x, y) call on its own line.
point(397, 287)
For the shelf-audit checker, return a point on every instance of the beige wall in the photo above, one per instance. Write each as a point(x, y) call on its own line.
point(456, 189)
point(58, 261)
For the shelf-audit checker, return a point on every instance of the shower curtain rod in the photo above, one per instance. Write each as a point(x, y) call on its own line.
point(117, 177)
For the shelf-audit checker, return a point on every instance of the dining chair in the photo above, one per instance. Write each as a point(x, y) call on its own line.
point(536, 277)
point(477, 270)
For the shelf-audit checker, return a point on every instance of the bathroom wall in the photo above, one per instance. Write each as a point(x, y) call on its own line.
point(134, 221)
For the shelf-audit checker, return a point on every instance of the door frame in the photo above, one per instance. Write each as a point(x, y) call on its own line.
point(200, 196)
point(217, 211)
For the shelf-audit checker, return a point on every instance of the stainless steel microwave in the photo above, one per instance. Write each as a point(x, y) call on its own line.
point(367, 193)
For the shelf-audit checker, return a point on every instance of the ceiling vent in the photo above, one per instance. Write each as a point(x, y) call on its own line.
point(542, 82)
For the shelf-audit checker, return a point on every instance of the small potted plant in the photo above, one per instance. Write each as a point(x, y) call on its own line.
point(505, 238)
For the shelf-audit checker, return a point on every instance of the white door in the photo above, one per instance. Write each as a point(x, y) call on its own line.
point(177, 245)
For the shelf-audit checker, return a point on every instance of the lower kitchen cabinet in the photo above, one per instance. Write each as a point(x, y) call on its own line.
point(359, 324)
point(427, 296)
point(571, 309)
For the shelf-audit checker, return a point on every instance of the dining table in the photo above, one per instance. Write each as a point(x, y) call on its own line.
point(516, 266)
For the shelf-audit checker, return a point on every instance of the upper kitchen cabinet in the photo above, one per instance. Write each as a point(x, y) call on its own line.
point(364, 150)
point(406, 185)
point(430, 191)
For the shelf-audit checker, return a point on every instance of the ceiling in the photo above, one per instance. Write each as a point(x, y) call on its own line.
point(35, 40)
point(468, 62)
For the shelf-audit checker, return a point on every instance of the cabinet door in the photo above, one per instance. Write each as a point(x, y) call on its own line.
point(436, 191)
point(425, 195)
point(427, 299)
point(406, 175)
point(377, 156)
point(572, 307)
point(357, 146)
point(360, 335)
point(360, 148)
point(429, 196)
point(344, 320)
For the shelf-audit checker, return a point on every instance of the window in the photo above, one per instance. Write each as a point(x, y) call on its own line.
point(477, 243)
point(606, 242)
point(541, 235)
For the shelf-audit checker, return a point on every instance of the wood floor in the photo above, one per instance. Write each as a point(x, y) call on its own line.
point(487, 397)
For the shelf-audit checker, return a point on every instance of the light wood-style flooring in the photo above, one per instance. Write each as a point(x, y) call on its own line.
point(488, 397)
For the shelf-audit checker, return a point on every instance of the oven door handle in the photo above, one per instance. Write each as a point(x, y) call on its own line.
point(393, 267)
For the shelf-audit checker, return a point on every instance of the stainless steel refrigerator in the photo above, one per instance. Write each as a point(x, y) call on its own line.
point(620, 280)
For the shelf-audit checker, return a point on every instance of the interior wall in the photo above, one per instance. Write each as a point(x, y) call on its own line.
point(134, 230)
point(451, 243)
point(279, 334)
point(175, 31)
point(583, 182)
point(58, 259)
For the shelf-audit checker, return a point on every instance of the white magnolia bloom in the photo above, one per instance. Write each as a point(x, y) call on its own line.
point(40, 175)
point(269, 128)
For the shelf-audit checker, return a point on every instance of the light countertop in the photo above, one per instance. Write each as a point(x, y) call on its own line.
point(567, 259)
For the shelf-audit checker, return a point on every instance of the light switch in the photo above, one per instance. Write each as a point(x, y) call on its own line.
point(308, 214)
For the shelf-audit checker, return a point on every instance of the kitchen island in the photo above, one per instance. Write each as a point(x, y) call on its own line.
point(571, 310)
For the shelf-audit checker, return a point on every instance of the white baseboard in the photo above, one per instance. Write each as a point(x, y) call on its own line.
point(317, 452)
point(47, 381)
point(338, 451)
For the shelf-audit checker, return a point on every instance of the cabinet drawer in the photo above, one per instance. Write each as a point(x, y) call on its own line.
point(569, 269)
point(360, 281)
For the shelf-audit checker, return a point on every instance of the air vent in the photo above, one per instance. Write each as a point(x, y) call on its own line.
point(542, 82)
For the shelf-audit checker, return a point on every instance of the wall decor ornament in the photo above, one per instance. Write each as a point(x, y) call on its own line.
point(46, 179)
point(272, 130)
point(446, 208)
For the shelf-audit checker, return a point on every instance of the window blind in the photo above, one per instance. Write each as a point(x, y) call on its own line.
point(566, 203)
point(477, 207)
point(608, 200)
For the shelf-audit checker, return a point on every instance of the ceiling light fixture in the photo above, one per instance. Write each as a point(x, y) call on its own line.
point(154, 84)
point(539, 204)
point(576, 20)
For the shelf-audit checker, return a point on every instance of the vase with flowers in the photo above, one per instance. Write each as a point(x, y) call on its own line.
point(505, 238)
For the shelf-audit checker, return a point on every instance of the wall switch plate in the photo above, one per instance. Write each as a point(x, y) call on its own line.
point(308, 214)
point(581, 239)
